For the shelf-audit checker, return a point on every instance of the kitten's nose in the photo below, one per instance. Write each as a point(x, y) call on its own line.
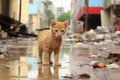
point(59, 35)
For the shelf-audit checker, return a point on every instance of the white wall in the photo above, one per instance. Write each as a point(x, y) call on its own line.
point(105, 18)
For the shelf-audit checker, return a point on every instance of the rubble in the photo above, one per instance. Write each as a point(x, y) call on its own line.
point(101, 65)
point(84, 76)
point(102, 48)
point(2, 56)
point(113, 66)
point(117, 41)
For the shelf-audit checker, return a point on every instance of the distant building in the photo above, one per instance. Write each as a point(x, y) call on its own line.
point(37, 15)
point(110, 13)
point(94, 13)
point(52, 8)
point(58, 11)
point(11, 8)
point(34, 7)
point(14, 16)
point(73, 20)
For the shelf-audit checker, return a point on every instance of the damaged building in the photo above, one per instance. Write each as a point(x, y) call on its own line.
point(103, 13)
point(12, 18)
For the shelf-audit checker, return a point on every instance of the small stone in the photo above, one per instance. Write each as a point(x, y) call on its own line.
point(85, 75)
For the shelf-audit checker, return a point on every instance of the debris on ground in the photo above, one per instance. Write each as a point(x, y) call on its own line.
point(77, 77)
point(101, 65)
point(93, 63)
point(117, 42)
point(78, 45)
point(2, 55)
point(68, 77)
point(113, 66)
point(90, 35)
point(84, 76)
point(93, 56)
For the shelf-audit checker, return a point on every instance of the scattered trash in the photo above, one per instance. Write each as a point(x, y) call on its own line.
point(117, 42)
point(2, 56)
point(84, 76)
point(114, 56)
point(93, 56)
point(102, 29)
point(77, 36)
point(113, 66)
point(101, 65)
point(78, 45)
point(96, 64)
point(105, 29)
point(117, 32)
point(91, 35)
point(107, 37)
point(68, 77)
point(8, 66)
point(93, 63)
point(76, 77)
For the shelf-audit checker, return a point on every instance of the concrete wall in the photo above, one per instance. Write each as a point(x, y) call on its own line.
point(24, 12)
point(74, 10)
point(35, 23)
point(108, 15)
point(108, 3)
point(14, 9)
point(105, 18)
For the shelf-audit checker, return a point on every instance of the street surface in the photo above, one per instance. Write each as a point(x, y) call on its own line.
point(20, 63)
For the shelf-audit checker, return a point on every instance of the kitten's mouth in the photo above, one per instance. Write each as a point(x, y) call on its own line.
point(58, 37)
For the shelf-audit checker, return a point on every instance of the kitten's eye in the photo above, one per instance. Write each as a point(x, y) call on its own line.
point(56, 30)
point(62, 30)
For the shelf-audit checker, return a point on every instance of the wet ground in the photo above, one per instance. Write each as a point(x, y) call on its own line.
point(20, 63)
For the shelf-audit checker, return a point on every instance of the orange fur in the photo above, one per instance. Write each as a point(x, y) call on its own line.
point(50, 41)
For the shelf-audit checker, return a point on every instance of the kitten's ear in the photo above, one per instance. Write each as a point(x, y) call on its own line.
point(53, 22)
point(66, 23)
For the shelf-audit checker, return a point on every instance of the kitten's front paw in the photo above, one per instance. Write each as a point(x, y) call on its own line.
point(57, 64)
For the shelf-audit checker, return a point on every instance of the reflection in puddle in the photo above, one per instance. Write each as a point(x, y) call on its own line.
point(15, 65)
point(20, 62)
point(48, 73)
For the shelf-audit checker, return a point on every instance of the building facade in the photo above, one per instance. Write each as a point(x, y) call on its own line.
point(37, 15)
point(13, 16)
point(11, 8)
point(73, 12)
point(110, 13)
point(34, 7)
point(94, 11)
point(57, 11)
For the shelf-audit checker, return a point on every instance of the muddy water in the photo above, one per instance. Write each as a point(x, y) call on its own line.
point(20, 61)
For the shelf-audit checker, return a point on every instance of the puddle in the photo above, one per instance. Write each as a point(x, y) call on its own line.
point(20, 61)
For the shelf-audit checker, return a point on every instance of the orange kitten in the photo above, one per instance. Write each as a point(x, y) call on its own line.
point(50, 41)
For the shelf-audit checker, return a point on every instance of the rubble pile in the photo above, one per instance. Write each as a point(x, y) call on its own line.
point(102, 47)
